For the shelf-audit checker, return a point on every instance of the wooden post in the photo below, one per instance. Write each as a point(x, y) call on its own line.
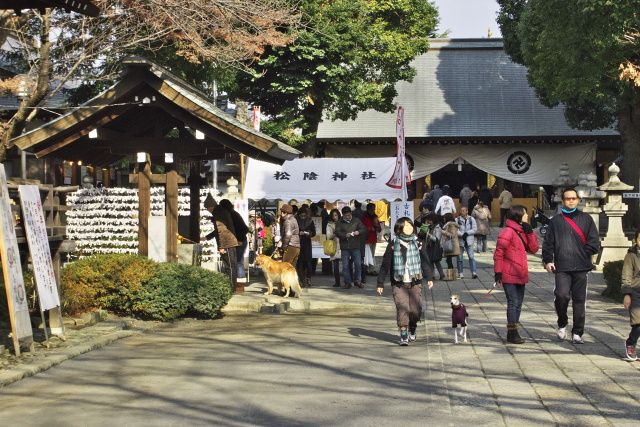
point(242, 160)
point(144, 208)
point(194, 202)
point(171, 211)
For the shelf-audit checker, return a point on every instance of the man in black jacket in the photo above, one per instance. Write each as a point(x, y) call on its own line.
point(571, 240)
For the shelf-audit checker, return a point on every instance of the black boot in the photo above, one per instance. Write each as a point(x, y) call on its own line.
point(512, 334)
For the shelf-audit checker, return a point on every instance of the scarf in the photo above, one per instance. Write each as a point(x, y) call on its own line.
point(565, 210)
point(413, 263)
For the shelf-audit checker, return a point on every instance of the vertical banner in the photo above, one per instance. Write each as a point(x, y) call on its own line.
point(36, 229)
point(12, 270)
point(401, 176)
point(398, 210)
point(242, 207)
point(256, 118)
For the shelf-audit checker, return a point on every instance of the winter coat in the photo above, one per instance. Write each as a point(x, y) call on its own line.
point(240, 227)
point(450, 229)
point(465, 195)
point(223, 233)
point(445, 205)
point(505, 199)
point(343, 228)
point(331, 235)
point(563, 246)
point(631, 282)
point(466, 226)
point(510, 256)
point(386, 268)
point(306, 251)
point(482, 216)
point(372, 225)
point(290, 232)
point(435, 195)
point(485, 196)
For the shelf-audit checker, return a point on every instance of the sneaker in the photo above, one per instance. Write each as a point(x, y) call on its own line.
point(631, 352)
point(460, 276)
point(562, 333)
point(404, 339)
point(412, 334)
point(577, 339)
point(474, 276)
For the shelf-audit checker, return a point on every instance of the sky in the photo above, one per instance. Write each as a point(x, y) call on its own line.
point(468, 18)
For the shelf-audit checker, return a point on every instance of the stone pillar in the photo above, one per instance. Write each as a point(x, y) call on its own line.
point(615, 244)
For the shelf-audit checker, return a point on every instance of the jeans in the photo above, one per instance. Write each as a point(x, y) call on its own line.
point(357, 264)
point(242, 273)
point(481, 240)
point(472, 261)
point(634, 335)
point(515, 296)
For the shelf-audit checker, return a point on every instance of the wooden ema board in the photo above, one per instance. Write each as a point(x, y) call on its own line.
point(12, 271)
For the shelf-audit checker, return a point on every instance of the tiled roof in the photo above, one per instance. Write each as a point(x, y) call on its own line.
point(464, 88)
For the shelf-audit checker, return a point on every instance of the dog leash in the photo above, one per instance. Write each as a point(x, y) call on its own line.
point(496, 285)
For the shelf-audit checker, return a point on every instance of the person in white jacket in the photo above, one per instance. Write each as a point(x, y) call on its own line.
point(445, 203)
point(467, 228)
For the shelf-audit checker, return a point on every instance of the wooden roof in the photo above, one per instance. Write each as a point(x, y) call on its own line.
point(150, 110)
point(84, 7)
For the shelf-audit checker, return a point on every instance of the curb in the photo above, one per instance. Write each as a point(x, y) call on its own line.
point(30, 369)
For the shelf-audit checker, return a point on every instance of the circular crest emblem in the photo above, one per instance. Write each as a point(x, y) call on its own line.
point(519, 162)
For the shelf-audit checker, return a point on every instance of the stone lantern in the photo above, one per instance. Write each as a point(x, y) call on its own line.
point(615, 244)
point(232, 190)
point(590, 196)
point(563, 181)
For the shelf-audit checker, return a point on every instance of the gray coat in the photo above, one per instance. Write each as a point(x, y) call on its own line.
point(290, 232)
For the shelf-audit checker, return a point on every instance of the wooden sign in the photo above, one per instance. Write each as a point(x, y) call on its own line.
point(35, 226)
point(12, 271)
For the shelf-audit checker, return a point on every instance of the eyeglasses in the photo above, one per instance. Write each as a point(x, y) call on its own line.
point(570, 198)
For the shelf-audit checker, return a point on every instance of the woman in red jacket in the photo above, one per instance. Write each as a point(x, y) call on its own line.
point(511, 267)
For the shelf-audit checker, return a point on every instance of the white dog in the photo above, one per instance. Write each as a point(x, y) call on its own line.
point(458, 318)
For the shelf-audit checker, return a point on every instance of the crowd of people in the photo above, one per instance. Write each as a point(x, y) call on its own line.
point(417, 246)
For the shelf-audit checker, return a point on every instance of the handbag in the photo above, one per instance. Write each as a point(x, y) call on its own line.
point(448, 245)
point(329, 247)
point(434, 251)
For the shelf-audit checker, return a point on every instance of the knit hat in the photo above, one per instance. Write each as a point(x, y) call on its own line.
point(286, 208)
point(210, 202)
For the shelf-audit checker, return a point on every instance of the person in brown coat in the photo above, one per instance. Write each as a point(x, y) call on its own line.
point(224, 235)
point(450, 231)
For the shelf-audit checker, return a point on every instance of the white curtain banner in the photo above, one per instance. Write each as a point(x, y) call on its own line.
point(537, 164)
point(318, 179)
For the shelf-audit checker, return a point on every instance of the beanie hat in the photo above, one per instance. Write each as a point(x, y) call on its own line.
point(210, 202)
point(286, 208)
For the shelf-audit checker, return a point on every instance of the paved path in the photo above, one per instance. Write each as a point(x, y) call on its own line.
point(343, 367)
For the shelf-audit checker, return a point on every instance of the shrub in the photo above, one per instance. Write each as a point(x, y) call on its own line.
point(111, 281)
point(180, 289)
point(612, 273)
point(268, 243)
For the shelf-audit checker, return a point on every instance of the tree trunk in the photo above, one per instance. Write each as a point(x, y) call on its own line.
point(629, 125)
point(16, 124)
point(313, 116)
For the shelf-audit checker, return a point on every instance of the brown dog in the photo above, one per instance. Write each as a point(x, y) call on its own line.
point(281, 273)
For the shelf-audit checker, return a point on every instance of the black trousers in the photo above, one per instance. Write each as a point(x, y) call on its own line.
point(230, 265)
point(571, 286)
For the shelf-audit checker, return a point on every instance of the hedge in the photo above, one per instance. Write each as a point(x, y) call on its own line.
point(612, 272)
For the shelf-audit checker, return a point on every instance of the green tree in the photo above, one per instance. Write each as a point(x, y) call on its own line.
point(585, 55)
point(348, 59)
point(52, 47)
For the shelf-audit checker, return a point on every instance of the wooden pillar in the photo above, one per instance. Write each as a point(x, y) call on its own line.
point(171, 211)
point(195, 182)
point(144, 207)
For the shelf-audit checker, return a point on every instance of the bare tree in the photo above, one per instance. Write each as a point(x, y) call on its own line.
point(73, 46)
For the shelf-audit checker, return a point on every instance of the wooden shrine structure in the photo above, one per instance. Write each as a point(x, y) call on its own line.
point(155, 116)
